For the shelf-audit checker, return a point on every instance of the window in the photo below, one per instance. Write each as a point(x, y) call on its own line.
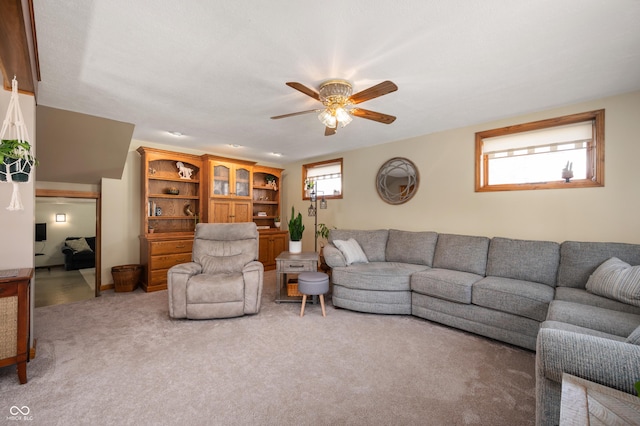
point(563, 152)
point(326, 176)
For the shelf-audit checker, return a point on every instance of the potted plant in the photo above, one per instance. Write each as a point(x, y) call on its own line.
point(323, 234)
point(276, 221)
point(296, 228)
point(270, 180)
point(16, 160)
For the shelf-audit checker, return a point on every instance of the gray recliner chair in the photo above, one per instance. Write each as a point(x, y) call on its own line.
point(224, 278)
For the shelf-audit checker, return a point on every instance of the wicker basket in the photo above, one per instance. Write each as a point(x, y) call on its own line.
point(126, 277)
point(292, 288)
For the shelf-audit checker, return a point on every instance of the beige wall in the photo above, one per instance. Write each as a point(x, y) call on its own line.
point(446, 201)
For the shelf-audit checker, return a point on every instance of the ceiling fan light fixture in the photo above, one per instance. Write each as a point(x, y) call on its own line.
point(343, 116)
point(327, 118)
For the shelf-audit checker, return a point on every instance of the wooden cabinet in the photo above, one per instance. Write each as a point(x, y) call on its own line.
point(15, 310)
point(170, 208)
point(229, 211)
point(271, 244)
point(161, 252)
point(227, 189)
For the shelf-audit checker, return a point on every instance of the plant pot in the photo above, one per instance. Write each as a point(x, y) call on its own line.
point(18, 169)
point(277, 224)
point(295, 246)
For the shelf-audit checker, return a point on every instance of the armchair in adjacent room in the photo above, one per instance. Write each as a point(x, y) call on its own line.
point(224, 278)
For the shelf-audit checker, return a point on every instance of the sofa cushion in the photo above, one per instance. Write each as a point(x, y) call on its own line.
point(411, 247)
point(351, 251)
point(524, 298)
point(578, 295)
point(577, 329)
point(524, 260)
point(445, 284)
point(578, 260)
point(461, 253)
point(204, 288)
point(78, 245)
point(333, 256)
point(224, 264)
point(592, 317)
point(634, 337)
point(388, 276)
point(373, 243)
point(617, 280)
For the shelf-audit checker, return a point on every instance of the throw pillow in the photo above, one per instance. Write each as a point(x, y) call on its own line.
point(634, 337)
point(617, 280)
point(351, 251)
point(78, 245)
point(225, 264)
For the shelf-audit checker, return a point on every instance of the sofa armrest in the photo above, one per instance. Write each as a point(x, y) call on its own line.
point(177, 277)
point(253, 275)
point(608, 362)
point(333, 256)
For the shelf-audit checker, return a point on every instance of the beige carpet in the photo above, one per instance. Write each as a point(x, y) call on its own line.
point(119, 359)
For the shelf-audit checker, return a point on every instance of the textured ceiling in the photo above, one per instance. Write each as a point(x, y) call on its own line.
point(216, 71)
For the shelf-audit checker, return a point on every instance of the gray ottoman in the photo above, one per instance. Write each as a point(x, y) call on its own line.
point(311, 284)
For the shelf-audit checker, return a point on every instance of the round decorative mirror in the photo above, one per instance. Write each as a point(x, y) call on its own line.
point(397, 180)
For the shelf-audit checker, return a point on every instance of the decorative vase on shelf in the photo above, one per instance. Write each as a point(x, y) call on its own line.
point(277, 224)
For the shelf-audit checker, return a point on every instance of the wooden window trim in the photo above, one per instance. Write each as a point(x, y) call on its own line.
point(305, 167)
point(595, 156)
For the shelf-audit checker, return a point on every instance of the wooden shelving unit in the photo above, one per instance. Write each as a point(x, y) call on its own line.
point(266, 208)
point(167, 220)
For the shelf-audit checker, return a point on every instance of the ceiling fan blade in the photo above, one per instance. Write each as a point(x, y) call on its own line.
point(304, 89)
point(372, 115)
point(373, 92)
point(295, 113)
point(328, 131)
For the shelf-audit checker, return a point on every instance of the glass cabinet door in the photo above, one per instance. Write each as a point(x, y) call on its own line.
point(221, 176)
point(242, 182)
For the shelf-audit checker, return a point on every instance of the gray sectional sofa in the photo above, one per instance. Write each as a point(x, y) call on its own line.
point(527, 293)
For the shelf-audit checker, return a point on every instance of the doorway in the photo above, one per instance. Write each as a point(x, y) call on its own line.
point(69, 220)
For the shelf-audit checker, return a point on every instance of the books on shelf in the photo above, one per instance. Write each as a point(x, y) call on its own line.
point(263, 227)
point(262, 213)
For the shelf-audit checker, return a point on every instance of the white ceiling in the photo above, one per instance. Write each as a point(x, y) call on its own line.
point(216, 70)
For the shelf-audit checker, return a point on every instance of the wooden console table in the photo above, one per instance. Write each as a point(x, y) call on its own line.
point(587, 403)
point(14, 319)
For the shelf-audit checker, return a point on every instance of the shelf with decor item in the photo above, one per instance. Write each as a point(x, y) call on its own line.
point(266, 197)
point(171, 191)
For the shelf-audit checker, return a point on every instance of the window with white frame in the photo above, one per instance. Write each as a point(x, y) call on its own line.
point(563, 152)
point(325, 177)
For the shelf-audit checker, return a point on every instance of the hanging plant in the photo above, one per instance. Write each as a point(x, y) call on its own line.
point(16, 160)
point(16, 157)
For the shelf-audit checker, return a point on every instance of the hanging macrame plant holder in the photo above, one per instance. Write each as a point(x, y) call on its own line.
point(18, 162)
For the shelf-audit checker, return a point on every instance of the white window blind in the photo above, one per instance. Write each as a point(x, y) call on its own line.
point(325, 171)
point(571, 136)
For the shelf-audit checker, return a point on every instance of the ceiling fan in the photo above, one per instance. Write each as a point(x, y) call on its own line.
point(338, 100)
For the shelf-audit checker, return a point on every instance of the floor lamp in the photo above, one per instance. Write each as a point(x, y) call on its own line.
point(313, 211)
